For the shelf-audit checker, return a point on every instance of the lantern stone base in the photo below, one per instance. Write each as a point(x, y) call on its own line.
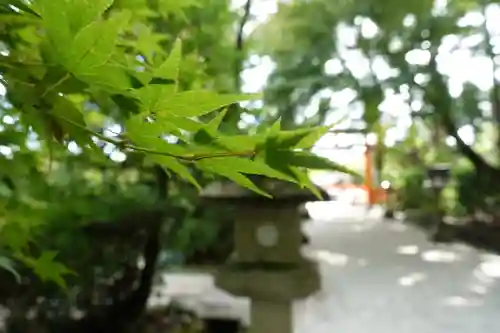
point(271, 285)
point(272, 317)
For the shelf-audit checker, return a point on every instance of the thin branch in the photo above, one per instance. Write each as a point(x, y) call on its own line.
point(234, 115)
point(442, 103)
point(123, 144)
point(56, 84)
point(239, 46)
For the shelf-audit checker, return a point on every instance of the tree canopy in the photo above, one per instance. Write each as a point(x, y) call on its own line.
point(109, 110)
point(114, 114)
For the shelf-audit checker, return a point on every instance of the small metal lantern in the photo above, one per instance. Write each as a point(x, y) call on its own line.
point(439, 175)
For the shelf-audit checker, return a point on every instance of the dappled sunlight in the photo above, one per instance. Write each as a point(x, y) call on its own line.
point(411, 279)
point(478, 289)
point(393, 273)
point(489, 269)
point(482, 277)
point(330, 258)
point(440, 256)
point(407, 249)
point(461, 302)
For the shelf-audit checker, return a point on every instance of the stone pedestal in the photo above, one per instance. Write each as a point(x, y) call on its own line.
point(272, 292)
point(267, 266)
point(272, 317)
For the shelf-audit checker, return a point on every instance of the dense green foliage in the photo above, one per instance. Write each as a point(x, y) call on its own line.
point(70, 68)
point(114, 115)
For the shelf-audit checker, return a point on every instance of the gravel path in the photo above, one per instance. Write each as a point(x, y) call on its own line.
point(381, 277)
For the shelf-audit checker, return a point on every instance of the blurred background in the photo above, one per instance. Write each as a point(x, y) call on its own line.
point(411, 89)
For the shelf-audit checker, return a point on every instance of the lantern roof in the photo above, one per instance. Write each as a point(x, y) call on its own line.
point(280, 191)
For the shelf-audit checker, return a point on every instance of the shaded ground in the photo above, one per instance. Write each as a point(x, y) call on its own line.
point(387, 277)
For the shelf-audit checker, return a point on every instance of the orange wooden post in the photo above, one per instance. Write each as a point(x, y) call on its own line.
point(369, 174)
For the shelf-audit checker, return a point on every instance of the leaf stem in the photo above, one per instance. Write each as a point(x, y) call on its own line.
point(55, 85)
point(125, 145)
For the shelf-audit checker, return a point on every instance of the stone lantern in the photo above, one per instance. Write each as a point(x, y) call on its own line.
point(438, 176)
point(267, 265)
